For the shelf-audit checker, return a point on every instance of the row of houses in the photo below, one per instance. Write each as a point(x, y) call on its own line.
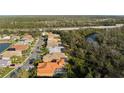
point(55, 59)
point(15, 49)
point(9, 37)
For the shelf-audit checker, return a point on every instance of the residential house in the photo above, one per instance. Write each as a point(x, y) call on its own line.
point(55, 49)
point(54, 57)
point(48, 68)
point(6, 38)
point(20, 47)
point(5, 62)
point(27, 38)
point(9, 54)
point(53, 40)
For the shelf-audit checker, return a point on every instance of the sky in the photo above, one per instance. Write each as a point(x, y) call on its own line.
point(61, 7)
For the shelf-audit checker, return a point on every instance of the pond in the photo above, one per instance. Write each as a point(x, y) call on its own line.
point(91, 37)
point(4, 46)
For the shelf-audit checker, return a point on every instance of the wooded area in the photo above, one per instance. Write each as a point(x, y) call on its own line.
point(103, 57)
point(57, 21)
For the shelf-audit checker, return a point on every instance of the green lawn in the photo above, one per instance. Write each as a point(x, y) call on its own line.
point(17, 59)
point(4, 71)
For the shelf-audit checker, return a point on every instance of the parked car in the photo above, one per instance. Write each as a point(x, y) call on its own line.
point(12, 64)
point(31, 61)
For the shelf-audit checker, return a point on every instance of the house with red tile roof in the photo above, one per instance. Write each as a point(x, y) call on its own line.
point(20, 47)
point(48, 68)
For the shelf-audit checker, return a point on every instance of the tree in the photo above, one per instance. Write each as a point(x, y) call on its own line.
point(23, 74)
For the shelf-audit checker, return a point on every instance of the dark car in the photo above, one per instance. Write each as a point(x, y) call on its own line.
point(31, 61)
point(12, 65)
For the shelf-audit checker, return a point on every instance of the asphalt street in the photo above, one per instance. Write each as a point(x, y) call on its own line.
point(34, 55)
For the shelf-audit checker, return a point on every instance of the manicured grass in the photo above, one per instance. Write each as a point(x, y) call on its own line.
point(4, 71)
point(17, 59)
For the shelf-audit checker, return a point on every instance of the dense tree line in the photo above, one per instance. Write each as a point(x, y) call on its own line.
point(103, 57)
point(57, 21)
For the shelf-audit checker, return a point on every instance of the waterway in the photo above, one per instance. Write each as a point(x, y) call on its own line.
point(4, 46)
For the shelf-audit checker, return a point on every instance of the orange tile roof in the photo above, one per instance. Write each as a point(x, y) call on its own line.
point(48, 68)
point(20, 47)
point(61, 62)
point(28, 36)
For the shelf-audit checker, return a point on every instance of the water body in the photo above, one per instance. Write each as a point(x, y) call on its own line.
point(4, 46)
point(92, 40)
point(91, 37)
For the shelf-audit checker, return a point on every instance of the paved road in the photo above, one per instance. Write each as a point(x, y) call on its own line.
point(86, 27)
point(32, 57)
point(67, 28)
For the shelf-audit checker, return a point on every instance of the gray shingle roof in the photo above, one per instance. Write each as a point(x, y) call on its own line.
point(4, 62)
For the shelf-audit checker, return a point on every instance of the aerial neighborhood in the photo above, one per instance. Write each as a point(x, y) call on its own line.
point(19, 49)
point(61, 46)
point(55, 59)
point(16, 52)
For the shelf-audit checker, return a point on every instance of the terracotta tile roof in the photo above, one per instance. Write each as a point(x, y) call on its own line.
point(61, 62)
point(20, 47)
point(53, 56)
point(27, 36)
point(48, 68)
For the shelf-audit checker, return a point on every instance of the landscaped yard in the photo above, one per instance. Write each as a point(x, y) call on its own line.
point(4, 71)
point(17, 59)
